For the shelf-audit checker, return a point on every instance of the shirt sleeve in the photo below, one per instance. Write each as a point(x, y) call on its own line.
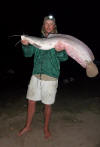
point(28, 50)
point(62, 55)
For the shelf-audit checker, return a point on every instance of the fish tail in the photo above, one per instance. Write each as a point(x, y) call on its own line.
point(91, 69)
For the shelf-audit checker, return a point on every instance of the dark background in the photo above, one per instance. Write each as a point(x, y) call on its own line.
point(80, 19)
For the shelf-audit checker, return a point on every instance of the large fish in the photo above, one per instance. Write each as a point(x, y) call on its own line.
point(74, 47)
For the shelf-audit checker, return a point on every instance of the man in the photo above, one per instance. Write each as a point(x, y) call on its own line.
point(44, 81)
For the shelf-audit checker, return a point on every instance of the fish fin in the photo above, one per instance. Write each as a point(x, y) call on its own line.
point(56, 35)
point(52, 35)
point(37, 46)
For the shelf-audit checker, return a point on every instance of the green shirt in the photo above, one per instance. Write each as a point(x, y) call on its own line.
point(45, 61)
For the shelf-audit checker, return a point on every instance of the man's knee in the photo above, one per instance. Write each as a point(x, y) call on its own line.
point(31, 102)
point(47, 107)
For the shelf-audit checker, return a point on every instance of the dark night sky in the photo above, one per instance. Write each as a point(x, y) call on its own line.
point(80, 19)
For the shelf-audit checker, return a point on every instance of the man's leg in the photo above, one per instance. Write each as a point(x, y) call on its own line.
point(30, 114)
point(47, 115)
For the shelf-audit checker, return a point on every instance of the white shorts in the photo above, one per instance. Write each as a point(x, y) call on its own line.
point(41, 90)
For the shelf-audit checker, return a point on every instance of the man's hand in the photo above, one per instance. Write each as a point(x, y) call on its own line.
point(24, 42)
point(59, 47)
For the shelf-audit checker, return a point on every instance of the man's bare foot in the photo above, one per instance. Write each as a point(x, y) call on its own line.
point(24, 130)
point(47, 133)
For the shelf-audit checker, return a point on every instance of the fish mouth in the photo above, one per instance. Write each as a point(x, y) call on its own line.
point(91, 70)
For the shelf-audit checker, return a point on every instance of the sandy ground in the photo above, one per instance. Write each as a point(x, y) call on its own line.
point(75, 119)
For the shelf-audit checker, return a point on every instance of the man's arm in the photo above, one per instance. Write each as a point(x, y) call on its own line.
point(62, 55)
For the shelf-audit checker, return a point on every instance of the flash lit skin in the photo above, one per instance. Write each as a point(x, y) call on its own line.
point(59, 46)
point(49, 26)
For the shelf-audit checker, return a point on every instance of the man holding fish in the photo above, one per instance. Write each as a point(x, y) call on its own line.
point(44, 80)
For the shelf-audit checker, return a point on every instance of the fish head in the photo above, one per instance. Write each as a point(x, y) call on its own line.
point(32, 40)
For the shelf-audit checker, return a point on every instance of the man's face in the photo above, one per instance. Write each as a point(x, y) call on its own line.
point(49, 26)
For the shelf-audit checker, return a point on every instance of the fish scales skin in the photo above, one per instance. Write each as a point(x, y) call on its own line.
point(74, 47)
point(77, 47)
